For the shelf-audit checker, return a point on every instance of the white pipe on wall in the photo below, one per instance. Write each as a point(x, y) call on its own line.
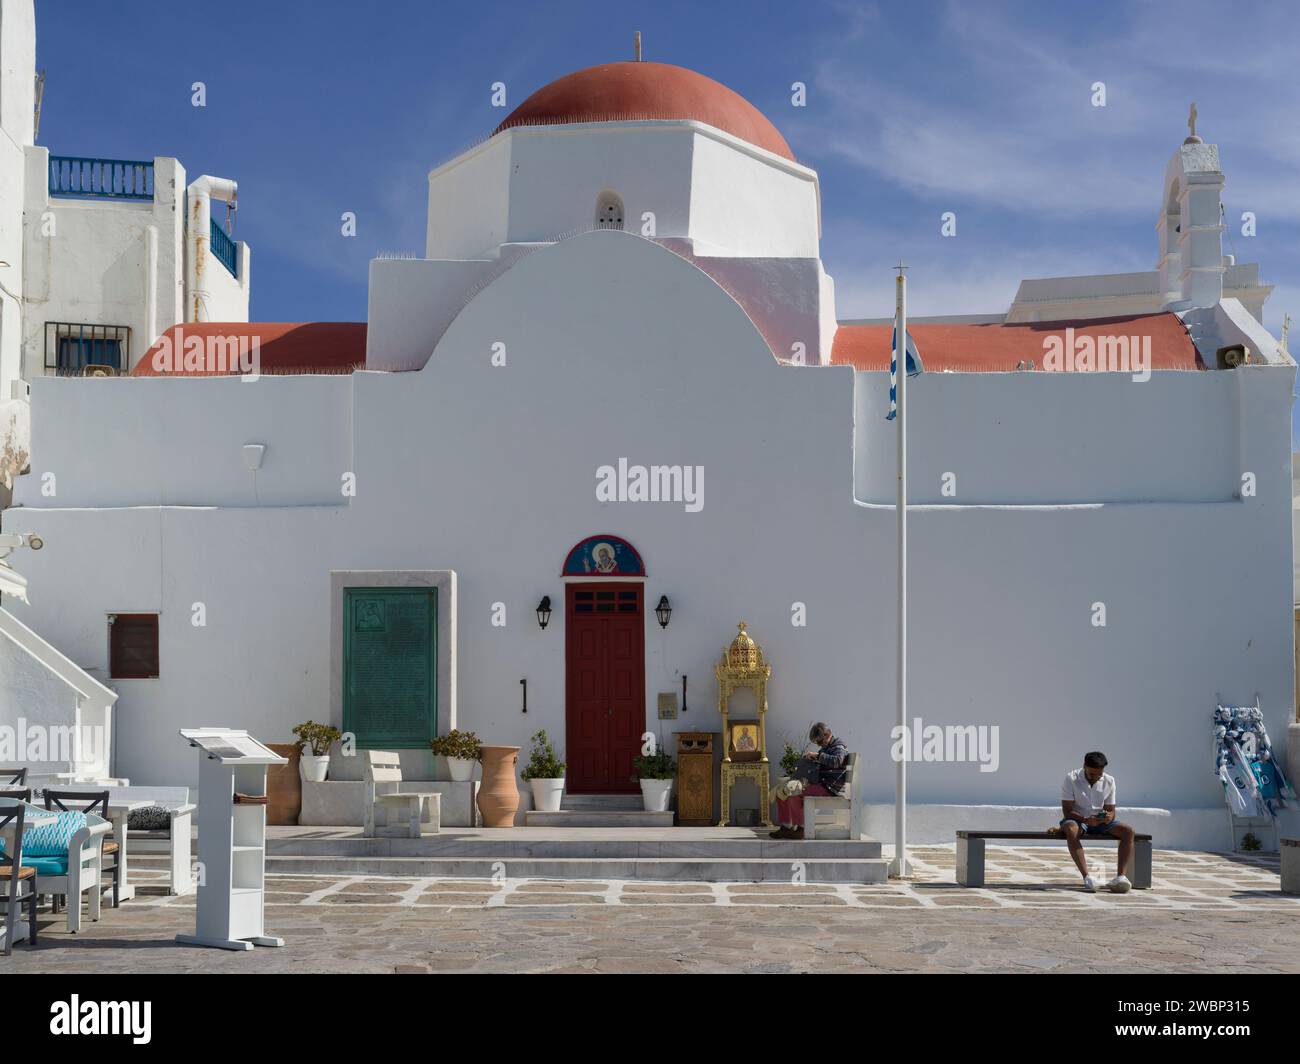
point(201, 193)
point(150, 290)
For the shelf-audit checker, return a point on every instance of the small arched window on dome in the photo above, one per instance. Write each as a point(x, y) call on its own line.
point(609, 211)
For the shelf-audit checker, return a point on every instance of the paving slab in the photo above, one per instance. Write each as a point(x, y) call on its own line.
point(1222, 915)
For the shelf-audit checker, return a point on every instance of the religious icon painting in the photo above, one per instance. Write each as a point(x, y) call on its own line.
point(603, 556)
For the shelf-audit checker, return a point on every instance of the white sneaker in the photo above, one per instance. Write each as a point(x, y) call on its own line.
point(1120, 885)
point(1090, 884)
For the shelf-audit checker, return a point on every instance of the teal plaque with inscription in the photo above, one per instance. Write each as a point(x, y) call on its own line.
point(390, 658)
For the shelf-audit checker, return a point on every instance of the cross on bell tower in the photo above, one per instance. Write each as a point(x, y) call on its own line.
point(1192, 138)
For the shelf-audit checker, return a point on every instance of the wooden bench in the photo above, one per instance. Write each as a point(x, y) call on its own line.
point(841, 813)
point(384, 766)
point(970, 853)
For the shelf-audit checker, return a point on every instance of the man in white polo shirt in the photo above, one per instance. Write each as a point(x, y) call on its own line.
point(1088, 801)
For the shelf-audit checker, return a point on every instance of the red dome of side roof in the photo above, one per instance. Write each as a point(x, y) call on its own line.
point(638, 91)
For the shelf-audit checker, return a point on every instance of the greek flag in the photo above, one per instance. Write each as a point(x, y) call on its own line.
point(914, 366)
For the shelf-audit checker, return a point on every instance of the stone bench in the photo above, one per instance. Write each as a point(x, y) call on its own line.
point(970, 853)
point(173, 840)
point(1289, 851)
point(342, 803)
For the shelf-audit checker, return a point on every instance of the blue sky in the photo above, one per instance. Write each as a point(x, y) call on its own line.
point(317, 107)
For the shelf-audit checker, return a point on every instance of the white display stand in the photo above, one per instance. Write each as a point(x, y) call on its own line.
point(232, 839)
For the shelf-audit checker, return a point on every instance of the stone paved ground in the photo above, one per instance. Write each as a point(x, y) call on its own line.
point(1206, 912)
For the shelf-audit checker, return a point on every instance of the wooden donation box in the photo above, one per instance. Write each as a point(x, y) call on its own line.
point(744, 753)
point(231, 820)
point(694, 779)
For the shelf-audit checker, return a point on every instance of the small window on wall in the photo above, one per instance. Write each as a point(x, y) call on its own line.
point(133, 646)
point(609, 211)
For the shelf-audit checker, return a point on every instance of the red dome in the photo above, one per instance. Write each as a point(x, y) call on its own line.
point(629, 92)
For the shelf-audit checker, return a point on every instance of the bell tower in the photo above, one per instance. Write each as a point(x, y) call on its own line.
point(1191, 226)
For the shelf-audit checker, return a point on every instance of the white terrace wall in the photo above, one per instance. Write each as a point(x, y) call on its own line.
point(17, 63)
point(103, 262)
point(227, 293)
point(57, 718)
point(490, 471)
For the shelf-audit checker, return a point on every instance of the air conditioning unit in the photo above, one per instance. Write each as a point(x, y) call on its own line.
point(97, 369)
point(1232, 356)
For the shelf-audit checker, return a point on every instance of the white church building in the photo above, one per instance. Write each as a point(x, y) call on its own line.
point(618, 376)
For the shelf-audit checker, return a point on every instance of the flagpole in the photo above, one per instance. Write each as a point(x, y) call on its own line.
point(901, 866)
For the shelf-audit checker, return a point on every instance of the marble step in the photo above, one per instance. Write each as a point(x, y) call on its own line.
point(662, 869)
point(602, 802)
point(521, 843)
point(598, 818)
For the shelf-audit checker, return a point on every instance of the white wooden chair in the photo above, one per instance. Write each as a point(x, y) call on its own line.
point(77, 872)
point(383, 767)
point(840, 817)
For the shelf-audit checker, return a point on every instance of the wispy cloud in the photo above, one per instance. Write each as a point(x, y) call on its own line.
point(995, 108)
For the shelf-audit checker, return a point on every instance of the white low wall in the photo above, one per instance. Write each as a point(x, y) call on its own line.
point(1170, 829)
point(45, 698)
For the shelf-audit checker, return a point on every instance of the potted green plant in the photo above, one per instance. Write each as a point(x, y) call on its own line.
point(461, 749)
point(545, 774)
point(319, 737)
point(655, 772)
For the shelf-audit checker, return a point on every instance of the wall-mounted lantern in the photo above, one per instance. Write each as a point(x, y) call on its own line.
point(544, 612)
point(663, 611)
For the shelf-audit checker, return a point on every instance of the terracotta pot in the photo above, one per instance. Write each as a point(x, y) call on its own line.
point(284, 786)
point(498, 795)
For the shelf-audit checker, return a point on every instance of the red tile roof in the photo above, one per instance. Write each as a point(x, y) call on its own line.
point(1000, 347)
point(626, 92)
point(283, 347)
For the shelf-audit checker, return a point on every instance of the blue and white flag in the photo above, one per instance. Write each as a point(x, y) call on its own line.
point(914, 366)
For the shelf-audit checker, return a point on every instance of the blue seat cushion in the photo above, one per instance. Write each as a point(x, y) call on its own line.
point(52, 839)
point(47, 866)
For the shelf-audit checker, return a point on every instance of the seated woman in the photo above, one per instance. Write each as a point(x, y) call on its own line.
point(832, 760)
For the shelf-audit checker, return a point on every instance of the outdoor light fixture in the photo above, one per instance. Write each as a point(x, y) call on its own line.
point(663, 611)
point(544, 612)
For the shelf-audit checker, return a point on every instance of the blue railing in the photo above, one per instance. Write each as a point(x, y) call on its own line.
point(223, 248)
point(100, 178)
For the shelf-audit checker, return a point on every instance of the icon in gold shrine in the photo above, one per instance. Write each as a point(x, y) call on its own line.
point(743, 665)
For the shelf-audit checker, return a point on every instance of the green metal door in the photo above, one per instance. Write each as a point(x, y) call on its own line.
point(390, 657)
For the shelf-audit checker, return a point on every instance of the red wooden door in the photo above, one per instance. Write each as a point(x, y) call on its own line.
point(605, 686)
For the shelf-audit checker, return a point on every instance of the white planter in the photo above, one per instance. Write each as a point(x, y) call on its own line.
point(313, 768)
point(654, 793)
point(462, 769)
point(547, 795)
